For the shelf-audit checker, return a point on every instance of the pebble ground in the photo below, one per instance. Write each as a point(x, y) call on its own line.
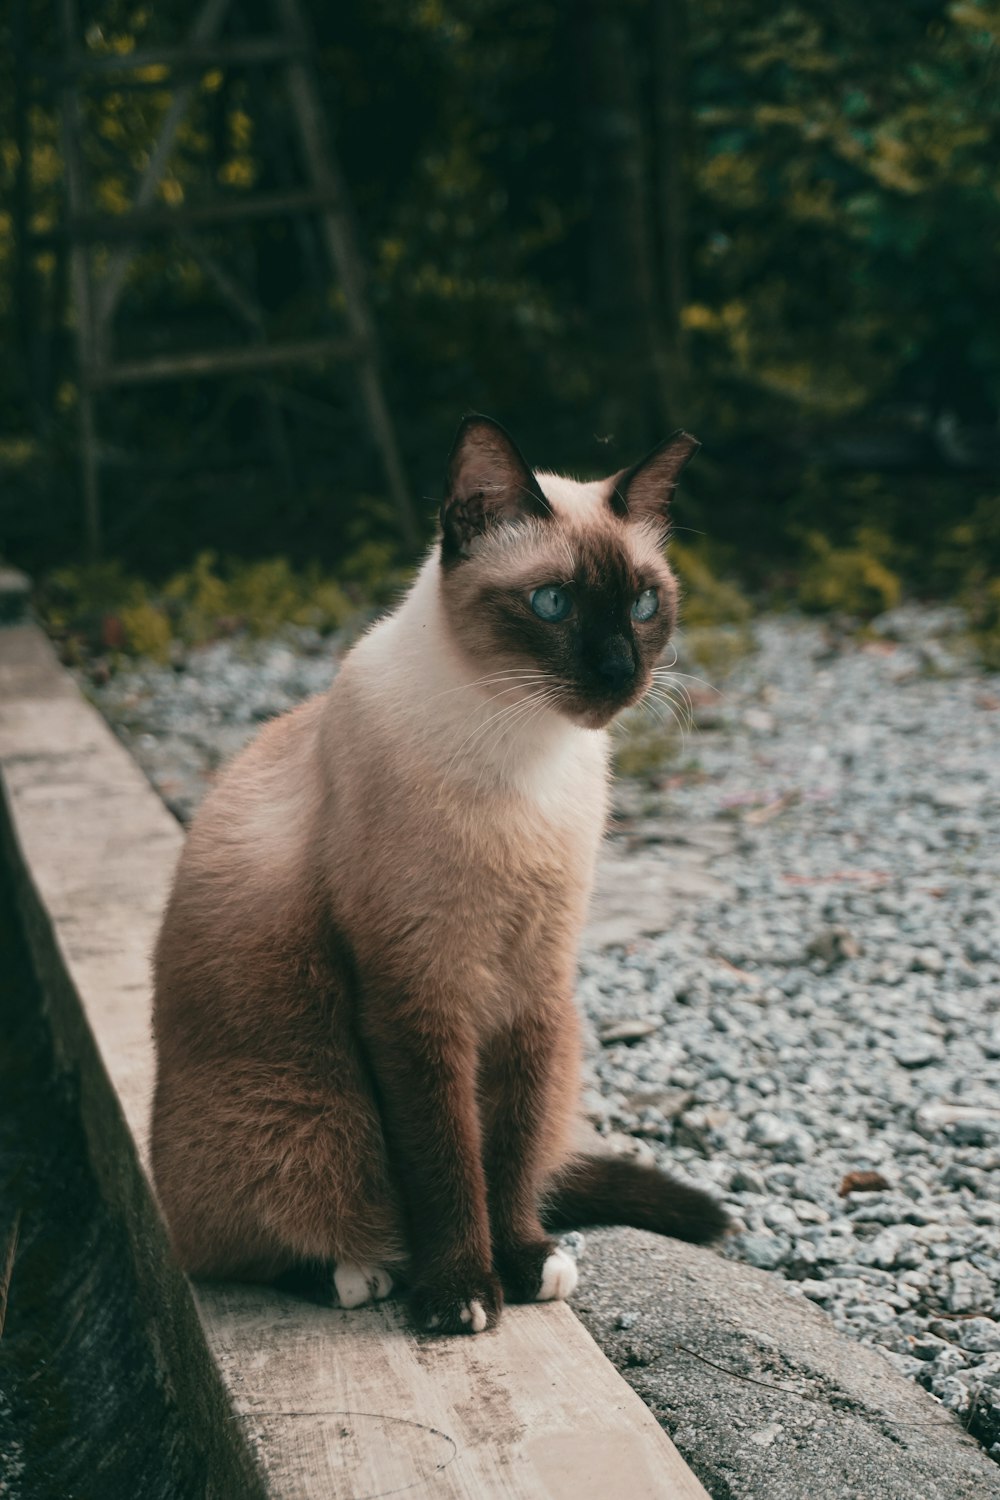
point(822, 1045)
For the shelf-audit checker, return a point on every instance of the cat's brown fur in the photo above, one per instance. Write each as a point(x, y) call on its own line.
point(367, 1045)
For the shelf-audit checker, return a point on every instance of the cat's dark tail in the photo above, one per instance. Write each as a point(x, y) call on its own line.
point(613, 1190)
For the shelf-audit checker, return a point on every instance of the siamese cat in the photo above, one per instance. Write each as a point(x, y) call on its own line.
point(367, 1044)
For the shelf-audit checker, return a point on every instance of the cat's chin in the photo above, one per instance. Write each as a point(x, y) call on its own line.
point(594, 716)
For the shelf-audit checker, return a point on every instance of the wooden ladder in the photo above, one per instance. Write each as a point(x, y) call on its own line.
point(97, 284)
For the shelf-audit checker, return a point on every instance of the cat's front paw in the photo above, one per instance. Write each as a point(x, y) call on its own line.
point(458, 1302)
point(537, 1272)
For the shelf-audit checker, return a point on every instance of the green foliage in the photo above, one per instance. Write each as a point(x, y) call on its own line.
point(147, 630)
point(837, 237)
point(103, 608)
point(197, 600)
point(643, 749)
point(716, 649)
point(706, 599)
point(372, 570)
point(849, 580)
point(983, 603)
point(258, 597)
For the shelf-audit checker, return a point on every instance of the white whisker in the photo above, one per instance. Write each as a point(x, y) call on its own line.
point(668, 672)
point(494, 677)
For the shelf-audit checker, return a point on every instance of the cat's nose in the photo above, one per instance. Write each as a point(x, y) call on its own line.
point(616, 665)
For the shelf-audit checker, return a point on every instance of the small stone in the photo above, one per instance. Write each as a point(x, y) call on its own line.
point(574, 1244)
point(799, 1146)
point(762, 1249)
point(882, 1251)
point(626, 1031)
point(636, 1354)
point(594, 1105)
point(969, 1290)
point(668, 1102)
point(957, 796)
point(765, 1436)
point(862, 1182)
point(978, 1335)
point(949, 1362)
point(875, 1314)
point(904, 1363)
point(834, 945)
point(768, 1130)
point(809, 1213)
point(979, 1119)
point(780, 1216)
point(631, 1146)
point(917, 1051)
point(929, 960)
point(747, 1179)
point(626, 1320)
point(927, 1346)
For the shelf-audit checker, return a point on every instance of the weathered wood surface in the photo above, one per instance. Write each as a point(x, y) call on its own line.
point(349, 1405)
point(352, 1403)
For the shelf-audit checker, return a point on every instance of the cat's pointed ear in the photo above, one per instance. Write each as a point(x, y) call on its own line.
point(644, 492)
point(488, 483)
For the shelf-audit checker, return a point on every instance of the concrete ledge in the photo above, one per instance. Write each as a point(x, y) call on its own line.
point(279, 1397)
point(764, 1398)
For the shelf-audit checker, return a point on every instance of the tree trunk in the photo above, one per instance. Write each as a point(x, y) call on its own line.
point(673, 157)
point(623, 299)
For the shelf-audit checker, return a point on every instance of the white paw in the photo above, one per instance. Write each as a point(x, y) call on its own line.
point(475, 1315)
point(558, 1278)
point(357, 1285)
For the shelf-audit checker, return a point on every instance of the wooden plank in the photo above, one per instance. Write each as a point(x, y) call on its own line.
point(530, 1410)
point(134, 224)
point(333, 1403)
point(113, 68)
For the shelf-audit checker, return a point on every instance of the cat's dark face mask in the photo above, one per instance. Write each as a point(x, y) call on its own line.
point(569, 589)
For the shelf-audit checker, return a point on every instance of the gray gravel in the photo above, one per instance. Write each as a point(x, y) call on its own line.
point(837, 1012)
point(181, 722)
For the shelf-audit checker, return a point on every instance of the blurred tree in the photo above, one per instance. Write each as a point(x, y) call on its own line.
point(777, 227)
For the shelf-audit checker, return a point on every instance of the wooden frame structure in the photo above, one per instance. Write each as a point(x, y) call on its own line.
point(97, 284)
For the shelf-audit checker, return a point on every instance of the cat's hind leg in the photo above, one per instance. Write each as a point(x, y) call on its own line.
point(355, 1285)
point(265, 1171)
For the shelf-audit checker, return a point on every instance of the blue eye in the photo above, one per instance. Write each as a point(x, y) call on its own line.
point(646, 605)
point(551, 604)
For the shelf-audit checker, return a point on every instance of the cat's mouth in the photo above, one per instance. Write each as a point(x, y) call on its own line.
point(592, 711)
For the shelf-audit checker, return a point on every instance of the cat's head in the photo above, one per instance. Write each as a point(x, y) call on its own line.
point(560, 585)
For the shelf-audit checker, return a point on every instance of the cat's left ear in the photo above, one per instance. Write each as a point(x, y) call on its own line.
point(644, 492)
point(488, 483)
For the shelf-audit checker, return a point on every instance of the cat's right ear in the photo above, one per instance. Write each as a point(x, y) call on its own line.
point(488, 483)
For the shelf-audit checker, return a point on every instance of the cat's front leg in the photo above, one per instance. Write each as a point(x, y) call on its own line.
point(529, 1082)
point(426, 1078)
